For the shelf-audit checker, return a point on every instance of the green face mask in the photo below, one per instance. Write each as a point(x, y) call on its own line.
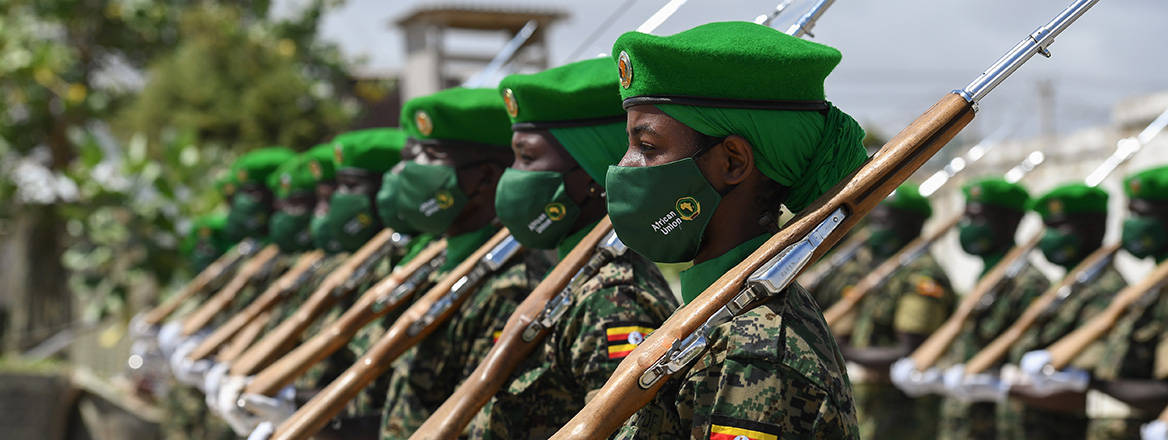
point(1060, 247)
point(427, 197)
point(350, 216)
point(290, 232)
point(387, 205)
point(248, 217)
point(976, 238)
point(883, 241)
point(203, 254)
point(324, 234)
point(535, 207)
point(1144, 237)
point(661, 211)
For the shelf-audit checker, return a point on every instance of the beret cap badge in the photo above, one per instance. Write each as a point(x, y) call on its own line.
point(424, 123)
point(625, 67)
point(1055, 206)
point(338, 153)
point(509, 101)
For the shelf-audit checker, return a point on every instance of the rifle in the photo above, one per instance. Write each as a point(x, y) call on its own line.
point(213, 273)
point(342, 281)
point(1042, 306)
point(524, 332)
point(880, 275)
point(811, 278)
point(414, 325)
point(256, 267)
point(386, 296)
point(767, 271)
point(1063, 351)
point(306, 265)
point(243, 338)
point(1015, 261)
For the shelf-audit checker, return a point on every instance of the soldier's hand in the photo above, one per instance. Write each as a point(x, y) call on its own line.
point(169, 337)
point(186, 370)
point(141, 330)
point(263, 431)
point(271, 409)
point(1156, 430)
point(914, 382)
point(230, 405)
point(1047, 380)
point(980, 387)
point(212, 380)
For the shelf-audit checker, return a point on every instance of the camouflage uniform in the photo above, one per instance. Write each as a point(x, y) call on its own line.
point(611, 313)
point(428, 373)
point(1018, 421)
point(1137, 348)
point(831, 288)
point(773, 370)
point(996, 311)
point(916, 299)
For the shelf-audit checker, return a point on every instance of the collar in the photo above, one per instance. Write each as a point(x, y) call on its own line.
point(461, 246)
point(568, 243)
point(696, 279)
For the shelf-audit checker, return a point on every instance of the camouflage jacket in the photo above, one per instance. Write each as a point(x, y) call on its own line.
point(916, 299)
point(610, 314)
point(771, 372)
point(834, 284)
point(1064, 316)
point(425, 375)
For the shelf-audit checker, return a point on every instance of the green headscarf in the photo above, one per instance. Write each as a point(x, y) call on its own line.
point(594, 147)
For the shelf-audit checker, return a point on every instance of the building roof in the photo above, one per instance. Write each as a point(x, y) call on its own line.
point(480, 17)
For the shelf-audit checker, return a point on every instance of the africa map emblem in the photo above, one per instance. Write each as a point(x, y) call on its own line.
point(688, 208)
point(555, 211)
point(444, 199)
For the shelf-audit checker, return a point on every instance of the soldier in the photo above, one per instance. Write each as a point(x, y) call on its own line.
point(844, 277)
point(206, 241)
point(726, 123)
point(450, 188)
point(569, 127)
point(1075, 216)
point(993, 210)
point(1127, 386)
point(892, 320)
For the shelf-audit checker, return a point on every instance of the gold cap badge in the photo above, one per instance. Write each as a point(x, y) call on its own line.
point(509, 101)
point(338, 153)
point(1134, 186)
point(425, 125)
point(314, 168)
point(241, 175)
point(1055, 206)
point(625, 67)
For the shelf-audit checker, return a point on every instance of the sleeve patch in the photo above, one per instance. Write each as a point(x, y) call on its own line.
point(925, 286)
point(725, 428)
point(495, 336)
point(624, 337)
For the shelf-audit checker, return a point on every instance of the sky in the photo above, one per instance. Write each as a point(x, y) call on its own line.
point(899, 56)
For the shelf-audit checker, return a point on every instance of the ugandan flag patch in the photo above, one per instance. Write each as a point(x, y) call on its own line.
point(624, 337)
point(725, 428)
point(495, 335)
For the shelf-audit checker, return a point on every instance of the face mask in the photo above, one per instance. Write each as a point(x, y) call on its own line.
point(203, 255)
point(247, 218)
point(290, 232)
point(1144, 237)
point(883, 242)
point(661, 211)
point(1060, 247)
point(387, 205)
point(350, 216)
point(324, 234)
point(535, 207)
point(427, 196)
point(976, 238)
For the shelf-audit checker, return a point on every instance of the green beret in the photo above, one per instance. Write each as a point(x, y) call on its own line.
point(303, 172)
point(908, 197)
point(997, 192)
point(320, 162)
point(1149, 184)
point(1072, 198)
point(373, 149)
point(209, 229)
point(725, 61)
point(257, 166)
point(465, 115)
point(580, 93)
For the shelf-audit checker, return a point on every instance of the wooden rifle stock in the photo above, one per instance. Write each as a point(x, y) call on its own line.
point(275, 293)
point(1066, 349)
point(311, 417)
point(371, 306)
point(1163, 416)
point(243, 338)
point(1000, 346)
point(246, 275)
point(855, 195)
point(511, 349)
point(913, 250)
point(286, 335)
point(844, 253)
point(927, 354)
point(213, 272)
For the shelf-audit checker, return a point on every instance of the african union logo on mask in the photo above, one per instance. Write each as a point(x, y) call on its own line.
point(685, 209)
point(441, 200)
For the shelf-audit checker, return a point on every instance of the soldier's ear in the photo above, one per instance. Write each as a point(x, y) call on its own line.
point(735, 160)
